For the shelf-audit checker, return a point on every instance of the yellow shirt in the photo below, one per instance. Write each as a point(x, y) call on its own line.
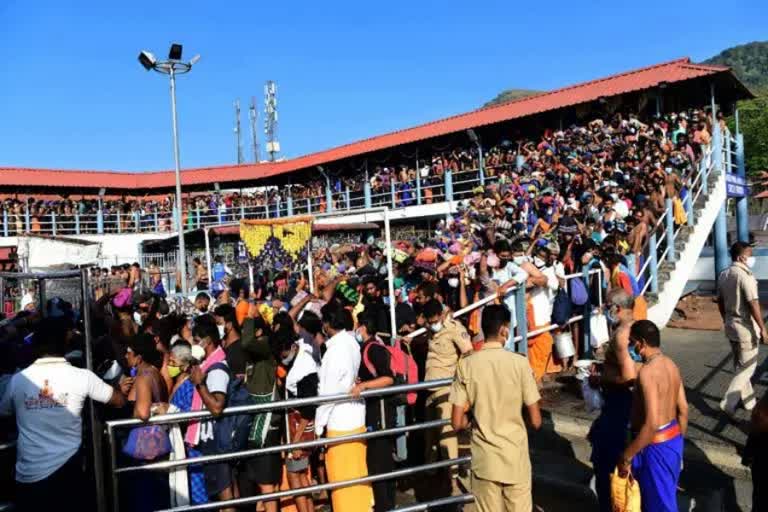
point(444, 350)
point(497, 383)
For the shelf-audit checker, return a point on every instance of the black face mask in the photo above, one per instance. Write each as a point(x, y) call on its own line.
point(503, 262)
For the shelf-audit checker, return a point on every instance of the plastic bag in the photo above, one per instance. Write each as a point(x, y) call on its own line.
point(625, 493)
point(593, 399)
point(598, 330)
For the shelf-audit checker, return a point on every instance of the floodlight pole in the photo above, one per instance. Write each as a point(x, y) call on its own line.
point(181, 262)
point(172, 67)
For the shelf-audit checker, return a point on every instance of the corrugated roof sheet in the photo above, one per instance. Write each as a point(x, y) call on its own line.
point(630, 81)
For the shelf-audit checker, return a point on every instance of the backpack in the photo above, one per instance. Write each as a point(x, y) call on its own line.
point(402, 365)
point(561, 308)
point(230, 432)
point(579, 295)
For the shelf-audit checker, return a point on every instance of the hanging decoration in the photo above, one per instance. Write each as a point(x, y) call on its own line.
point(277, 244)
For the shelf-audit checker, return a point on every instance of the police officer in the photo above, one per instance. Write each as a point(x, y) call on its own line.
point(739, 306)
point(449, 341)
point(494, 385)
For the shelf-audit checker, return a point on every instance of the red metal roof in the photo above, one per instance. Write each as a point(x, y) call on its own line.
point(630, 81)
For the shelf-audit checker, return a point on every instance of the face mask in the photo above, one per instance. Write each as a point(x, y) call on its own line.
point(436, 327)
point(137, 318)
point(613, 318)
point(174, 371)
point(519, 260)
point(453, 282)
point(359, 337)
point(287, 360)
point(540, 263)
point(634, 355)
point(385, 299)
point(198, 352)
point(133, 371)
point(503, 262)
point(751, 261)
point(222, 331)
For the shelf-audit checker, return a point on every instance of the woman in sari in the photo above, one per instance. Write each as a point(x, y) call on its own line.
point(187, 486)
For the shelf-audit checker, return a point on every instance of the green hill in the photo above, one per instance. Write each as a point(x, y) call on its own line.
point(750, 63)
point(509, 95)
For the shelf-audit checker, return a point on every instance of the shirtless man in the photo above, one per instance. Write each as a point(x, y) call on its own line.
point(636, 240)
point(659, 421)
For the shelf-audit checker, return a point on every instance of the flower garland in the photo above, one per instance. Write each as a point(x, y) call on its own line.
point(277, 243)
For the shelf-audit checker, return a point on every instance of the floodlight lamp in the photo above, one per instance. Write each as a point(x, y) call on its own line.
point(147, 60)
point(175, 52)
point(194, 60)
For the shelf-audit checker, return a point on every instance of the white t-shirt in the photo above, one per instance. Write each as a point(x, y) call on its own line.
point(47, 398)
point(338, 373)
point(217, 381)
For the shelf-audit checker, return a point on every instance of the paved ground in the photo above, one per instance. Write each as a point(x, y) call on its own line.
point(713, 444)
point(707, 367)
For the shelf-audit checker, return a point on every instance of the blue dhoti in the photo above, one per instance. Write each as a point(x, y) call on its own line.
point(657, 469)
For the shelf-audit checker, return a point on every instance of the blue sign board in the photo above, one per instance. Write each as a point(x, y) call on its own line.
point(735, 185)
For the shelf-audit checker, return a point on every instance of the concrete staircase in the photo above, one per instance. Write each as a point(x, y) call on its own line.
point(689, 241)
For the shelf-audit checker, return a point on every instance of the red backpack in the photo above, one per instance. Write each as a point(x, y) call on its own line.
point(402, 365)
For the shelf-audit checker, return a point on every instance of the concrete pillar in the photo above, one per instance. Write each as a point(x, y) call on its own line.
point(722, 260)
point(53, 223)
point(290, 204)
point(27, 219)
point(367, 194)
point(448, 176)
point(481, 163)
point(392, 193)
point(5, 222)
point(328, 196)
point(742, 211)
point(77, 222)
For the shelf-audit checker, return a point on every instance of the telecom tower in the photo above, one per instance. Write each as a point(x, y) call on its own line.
point(240, 158)
point(270, 119)
point(253, 114)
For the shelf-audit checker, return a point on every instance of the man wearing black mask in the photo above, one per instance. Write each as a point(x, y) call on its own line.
point(374, 305)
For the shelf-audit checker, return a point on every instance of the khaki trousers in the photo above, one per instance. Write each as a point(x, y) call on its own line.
point(498, 497)
point(444, 443)
point(740, 388)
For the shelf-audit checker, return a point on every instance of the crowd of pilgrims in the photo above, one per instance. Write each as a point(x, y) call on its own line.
point(581, 197)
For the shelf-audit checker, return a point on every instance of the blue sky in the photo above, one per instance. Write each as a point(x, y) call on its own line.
point(72, 94)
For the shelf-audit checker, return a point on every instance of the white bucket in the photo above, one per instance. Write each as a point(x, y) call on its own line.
point(564, 345)
point(583, 368)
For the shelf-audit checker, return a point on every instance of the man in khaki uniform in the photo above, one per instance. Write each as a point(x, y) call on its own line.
point(740, 308)
point(493, 385)
point(449, 341)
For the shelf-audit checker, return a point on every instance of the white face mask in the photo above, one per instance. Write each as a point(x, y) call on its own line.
point(222, 331)
point(519, 260)
point(453, 282)
point(359, 337)
point(137, 318)
point(540, 263)
point(751, 262)
point(436, 327)
point(198, 352)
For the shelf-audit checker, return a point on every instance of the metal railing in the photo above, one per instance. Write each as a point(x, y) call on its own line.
point(420, 191)
point(520, 345)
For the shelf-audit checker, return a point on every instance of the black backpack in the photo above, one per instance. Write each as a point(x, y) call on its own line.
point(230, 433)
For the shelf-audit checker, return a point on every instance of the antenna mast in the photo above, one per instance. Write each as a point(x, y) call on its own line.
point(253, 115)
point(270, 119)
point(240, 158)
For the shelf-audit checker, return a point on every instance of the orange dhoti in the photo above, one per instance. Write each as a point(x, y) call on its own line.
point(347, 461)
point(540, 354)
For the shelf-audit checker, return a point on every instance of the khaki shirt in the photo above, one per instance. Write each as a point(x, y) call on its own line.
point(444, 350)
point(737, 287)
point(497, 383)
